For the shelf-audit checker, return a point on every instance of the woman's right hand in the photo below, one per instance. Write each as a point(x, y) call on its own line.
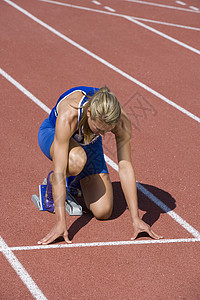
point(58, 230)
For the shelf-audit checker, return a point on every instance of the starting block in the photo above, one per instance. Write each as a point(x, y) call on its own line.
point(72, 207)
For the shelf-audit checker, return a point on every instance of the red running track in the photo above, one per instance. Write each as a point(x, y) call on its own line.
point(164, 146)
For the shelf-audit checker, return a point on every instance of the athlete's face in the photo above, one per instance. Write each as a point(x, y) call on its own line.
point(97, 126)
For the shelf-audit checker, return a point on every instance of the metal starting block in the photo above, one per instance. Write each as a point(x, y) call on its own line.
point(72, 207)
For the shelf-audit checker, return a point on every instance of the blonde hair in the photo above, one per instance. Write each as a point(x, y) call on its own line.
point(103, 106)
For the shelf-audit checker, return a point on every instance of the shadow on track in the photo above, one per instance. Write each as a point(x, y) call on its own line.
point(152, 211)
point(151, 215)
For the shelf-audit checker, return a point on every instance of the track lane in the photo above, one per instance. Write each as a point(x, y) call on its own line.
point(155, 271)
point(117, 268)
point(10, 284)
point(160, 14)
point(144, 207)
point(189, 37)
point(164, 57)
point(50, 72)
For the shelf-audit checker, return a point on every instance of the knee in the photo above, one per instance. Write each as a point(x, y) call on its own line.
point(77, 161)
point(103, 213)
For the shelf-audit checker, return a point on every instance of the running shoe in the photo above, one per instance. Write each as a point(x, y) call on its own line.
point(73, 186)
point(48, 199)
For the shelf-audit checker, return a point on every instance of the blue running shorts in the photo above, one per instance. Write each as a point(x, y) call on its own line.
point(95, 157)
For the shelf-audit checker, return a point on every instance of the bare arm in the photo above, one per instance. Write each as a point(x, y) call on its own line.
point(127, 176)
point(126, 171)
point(60, 160)
point(66, 125)
point(63, 133)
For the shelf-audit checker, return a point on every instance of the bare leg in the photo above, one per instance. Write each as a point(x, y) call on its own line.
point(76, 160)
point(98, 195)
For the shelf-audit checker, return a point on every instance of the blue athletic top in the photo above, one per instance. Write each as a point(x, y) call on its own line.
point(88, 91)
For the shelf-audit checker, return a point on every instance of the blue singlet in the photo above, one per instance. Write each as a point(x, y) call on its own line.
point(95, 157)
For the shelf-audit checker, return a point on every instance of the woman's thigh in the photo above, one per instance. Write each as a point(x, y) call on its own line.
point(46, 135)
point(76, 158)
point(98, 194)
point(76, 154)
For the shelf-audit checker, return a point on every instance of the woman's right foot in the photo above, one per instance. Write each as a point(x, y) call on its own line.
point(48, 199)
point(73, 186)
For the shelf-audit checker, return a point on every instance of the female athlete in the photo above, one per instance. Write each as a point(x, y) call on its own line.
point(72, 138)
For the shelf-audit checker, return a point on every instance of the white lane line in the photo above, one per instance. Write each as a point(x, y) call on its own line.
point(102, 244)
point(20, 270)
point(148, 194)
point(109, 8)
point(96, 2)
point(133, 19)
point(118, 15)
point(180, 2)
point(25, 91)
point(195, 8)
point(106, 63)
point(165, 23)
point(167, 210)
point(163, 35)
point(161, 5)
point(159, 203)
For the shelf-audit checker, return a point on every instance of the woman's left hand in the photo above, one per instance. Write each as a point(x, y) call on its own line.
point(141, 226)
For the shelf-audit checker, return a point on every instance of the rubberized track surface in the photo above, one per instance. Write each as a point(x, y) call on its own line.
point(153, 68)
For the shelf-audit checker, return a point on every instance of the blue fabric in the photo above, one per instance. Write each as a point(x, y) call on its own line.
point(46, 137)
point(95, 157)
point(90, 91)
